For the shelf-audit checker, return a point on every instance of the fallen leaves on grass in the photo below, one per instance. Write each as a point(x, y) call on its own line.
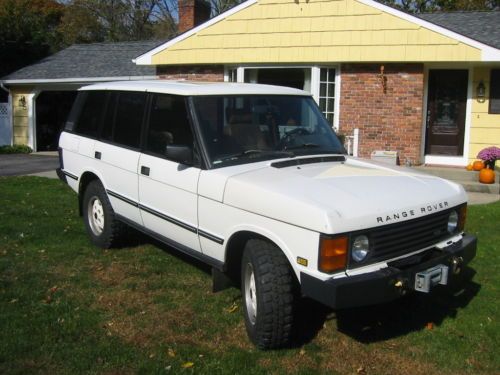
point(187, 365)
point(231, 309)
point(50, 293)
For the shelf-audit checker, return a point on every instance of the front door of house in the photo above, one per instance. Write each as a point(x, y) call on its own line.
point(446, 108)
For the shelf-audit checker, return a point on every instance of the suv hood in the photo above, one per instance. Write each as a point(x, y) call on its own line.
point(335, 197)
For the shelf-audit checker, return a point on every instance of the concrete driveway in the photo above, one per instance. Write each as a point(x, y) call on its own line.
point(25, 164)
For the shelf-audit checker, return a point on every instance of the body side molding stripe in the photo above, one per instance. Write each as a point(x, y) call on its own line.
point(211, 237)
point(122, 198)
point(70, 175)
point(172, 220)
point(168, 218)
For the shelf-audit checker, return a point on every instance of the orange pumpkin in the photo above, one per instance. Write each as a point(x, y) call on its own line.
point(478, 165)
point(469, 167)
point(487, 176)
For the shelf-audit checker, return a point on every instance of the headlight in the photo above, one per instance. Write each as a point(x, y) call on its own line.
point(452, 221)
point(360, 248)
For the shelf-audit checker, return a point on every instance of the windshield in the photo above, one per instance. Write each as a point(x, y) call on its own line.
point(243, 129)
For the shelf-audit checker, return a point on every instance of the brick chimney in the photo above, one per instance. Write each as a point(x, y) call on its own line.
point(192, 13)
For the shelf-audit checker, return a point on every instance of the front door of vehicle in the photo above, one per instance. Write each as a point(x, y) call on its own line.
point(167, 188)
point(446, 109)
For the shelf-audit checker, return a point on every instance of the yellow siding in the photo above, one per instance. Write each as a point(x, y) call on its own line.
point(485, 127)
point(20, 117)
point(314, 32)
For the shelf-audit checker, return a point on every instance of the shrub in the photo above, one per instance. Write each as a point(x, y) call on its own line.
point(16, 149)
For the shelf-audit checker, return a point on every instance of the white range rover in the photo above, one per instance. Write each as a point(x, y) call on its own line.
point(252, 180)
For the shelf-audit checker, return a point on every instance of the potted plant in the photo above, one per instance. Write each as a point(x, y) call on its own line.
point(489, 155)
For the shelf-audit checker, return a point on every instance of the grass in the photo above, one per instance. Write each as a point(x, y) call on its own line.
point(67, 307)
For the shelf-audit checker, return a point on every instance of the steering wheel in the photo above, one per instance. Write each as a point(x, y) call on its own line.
point(289, 136)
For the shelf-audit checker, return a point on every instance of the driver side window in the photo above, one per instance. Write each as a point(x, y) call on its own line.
point(168, 124)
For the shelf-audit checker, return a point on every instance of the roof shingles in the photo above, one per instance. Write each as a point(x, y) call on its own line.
point(94, 60)
point(483, 27)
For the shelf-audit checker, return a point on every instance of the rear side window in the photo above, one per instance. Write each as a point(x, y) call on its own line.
point(168, 124)
point(91, 112)
point(123, 118)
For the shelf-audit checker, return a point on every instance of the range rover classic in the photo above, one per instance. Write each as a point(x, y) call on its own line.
point(252, 180)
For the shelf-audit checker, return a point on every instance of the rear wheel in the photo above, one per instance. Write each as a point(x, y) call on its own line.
point(100, 221)
point(267, 286)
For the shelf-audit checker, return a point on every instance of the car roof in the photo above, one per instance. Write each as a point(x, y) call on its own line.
point(190, 88)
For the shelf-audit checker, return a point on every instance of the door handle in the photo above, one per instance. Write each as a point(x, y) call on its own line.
point(144, 170)
point(97, 155)
point(428, 119)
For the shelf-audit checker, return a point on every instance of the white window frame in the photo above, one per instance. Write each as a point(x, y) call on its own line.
point(315, 86)
point(315, 81)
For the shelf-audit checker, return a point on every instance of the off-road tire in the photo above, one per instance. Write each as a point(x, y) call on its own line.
point(271, 326)
point(111, 233)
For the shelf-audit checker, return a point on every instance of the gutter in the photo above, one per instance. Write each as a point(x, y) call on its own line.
point(4, 88)
point(78, 80)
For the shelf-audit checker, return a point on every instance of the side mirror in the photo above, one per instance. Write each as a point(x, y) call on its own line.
point(180, 153)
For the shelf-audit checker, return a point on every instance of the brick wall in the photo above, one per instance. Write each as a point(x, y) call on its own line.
point(192, 13)
point(389, 119)
point(211, 73)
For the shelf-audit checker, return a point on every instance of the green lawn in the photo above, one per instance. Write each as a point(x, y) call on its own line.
point(67, 307)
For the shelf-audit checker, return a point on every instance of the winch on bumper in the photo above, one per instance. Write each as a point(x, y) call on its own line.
point(439, 266)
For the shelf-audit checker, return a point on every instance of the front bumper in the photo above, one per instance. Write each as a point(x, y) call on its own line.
point(388, 283)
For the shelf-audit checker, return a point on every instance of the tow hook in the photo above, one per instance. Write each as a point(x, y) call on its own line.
point(456, 265)
point(401, 286)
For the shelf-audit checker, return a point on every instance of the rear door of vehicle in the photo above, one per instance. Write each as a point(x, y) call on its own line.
point(118, 151)
point(168, 189)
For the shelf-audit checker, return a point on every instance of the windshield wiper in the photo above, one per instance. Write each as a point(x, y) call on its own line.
point(249, 153)
point(303, 145)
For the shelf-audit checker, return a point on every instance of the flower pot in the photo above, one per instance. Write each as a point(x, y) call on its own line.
point(487, 176)
point(489, 164)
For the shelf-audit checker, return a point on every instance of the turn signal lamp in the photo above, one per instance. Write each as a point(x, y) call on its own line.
point(462, 215)
point(332, 254)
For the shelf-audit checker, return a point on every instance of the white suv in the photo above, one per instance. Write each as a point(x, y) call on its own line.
point(252, 180)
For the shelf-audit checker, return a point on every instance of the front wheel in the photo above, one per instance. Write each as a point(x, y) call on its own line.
point(267, 286)
point(102, 226)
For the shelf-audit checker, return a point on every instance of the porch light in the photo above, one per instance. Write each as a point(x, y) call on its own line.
point(481, 92)
point(22, 101)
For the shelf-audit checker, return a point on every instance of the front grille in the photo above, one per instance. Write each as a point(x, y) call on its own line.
point(393, 240)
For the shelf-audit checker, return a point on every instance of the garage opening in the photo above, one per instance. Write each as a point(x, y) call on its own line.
point(52, 110)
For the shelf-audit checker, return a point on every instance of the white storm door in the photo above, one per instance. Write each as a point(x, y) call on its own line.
point(118, 167)
point(168, 199)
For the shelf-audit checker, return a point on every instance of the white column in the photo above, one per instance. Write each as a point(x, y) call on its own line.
point(355, 143)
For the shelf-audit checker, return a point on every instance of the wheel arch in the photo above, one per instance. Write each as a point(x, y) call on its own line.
point(85, 179)
point(236, 244)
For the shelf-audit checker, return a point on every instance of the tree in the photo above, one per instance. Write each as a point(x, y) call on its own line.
point(29, 32)
point(220, 6)
point(117, 20)
point(88, 21)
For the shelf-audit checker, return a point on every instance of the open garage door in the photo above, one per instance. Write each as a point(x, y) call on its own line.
point(52, 110)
